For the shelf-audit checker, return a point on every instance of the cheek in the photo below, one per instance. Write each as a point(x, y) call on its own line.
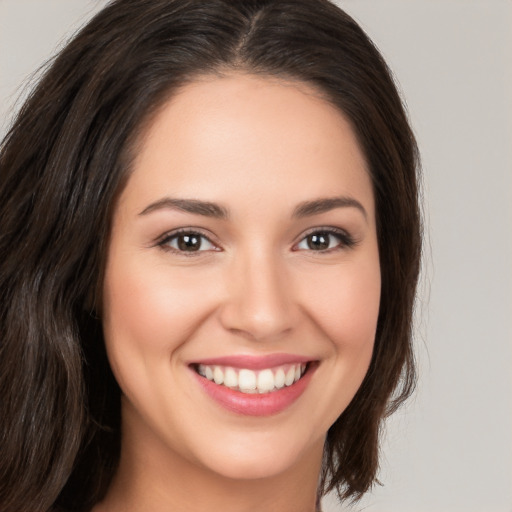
point(134, 310)
point(149, 313)
point(149, 310)
point(346, 310)
point(345, 305)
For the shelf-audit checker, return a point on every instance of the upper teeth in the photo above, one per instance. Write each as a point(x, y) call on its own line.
point(250, 381)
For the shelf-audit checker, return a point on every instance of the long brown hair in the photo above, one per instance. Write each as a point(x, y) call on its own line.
point(65, 160)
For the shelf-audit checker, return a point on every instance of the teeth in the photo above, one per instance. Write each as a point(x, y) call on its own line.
point(279, 378)
point(230, 378)
point(265, 381)
point(218, 375)
point(250, 381)
point(247, 380)
point(289, 378)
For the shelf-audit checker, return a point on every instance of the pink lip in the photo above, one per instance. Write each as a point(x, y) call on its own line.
point(255, 362)
point(264, 404)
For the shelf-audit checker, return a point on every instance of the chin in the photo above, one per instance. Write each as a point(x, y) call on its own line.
point(252, 468)
point(264, 456)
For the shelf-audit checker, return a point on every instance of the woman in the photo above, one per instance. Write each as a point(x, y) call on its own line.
point(210, 245)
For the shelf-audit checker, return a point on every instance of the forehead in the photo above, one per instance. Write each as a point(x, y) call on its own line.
point(219, 136)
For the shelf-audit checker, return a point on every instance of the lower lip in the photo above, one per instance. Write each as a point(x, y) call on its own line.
point(264, 404)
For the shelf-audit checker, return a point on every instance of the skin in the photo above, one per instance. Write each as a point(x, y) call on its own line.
point(259, 147)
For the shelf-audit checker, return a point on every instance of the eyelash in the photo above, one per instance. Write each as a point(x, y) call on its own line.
point(346, 241)
point(164, 242)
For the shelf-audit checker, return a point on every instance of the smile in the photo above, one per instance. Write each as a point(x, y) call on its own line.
point(250, 381)
point(255, 385)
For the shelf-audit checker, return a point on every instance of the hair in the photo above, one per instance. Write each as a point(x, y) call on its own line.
point(63, 164)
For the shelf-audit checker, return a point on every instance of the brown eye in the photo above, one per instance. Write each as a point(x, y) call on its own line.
point(325, 240)
point(318, 241)
point(187, 242)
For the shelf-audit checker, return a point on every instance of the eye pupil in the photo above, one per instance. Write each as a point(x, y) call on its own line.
point(189, 242)
point(318, 241)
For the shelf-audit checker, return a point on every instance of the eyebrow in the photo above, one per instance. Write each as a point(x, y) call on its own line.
point(323, 205)
point(195, 206)
point(209, 209)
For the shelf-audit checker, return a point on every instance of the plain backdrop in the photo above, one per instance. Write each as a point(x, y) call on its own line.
point(450, 448)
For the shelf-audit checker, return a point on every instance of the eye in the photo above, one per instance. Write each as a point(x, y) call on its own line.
point(187, 242)
point(325, 240)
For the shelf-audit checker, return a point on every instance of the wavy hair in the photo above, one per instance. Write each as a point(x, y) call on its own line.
point(64, 162)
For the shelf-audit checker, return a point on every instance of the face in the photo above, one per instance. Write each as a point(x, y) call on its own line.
point(242, 284)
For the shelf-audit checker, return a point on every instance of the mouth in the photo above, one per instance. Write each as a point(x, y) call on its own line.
point(249, 381)
point(254, 386)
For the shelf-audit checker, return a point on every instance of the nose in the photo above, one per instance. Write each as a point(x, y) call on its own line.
point(260, 303)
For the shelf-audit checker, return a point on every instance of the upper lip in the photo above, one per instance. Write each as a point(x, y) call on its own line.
point(254, 362)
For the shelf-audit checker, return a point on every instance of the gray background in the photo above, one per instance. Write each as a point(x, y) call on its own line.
point(450, 448)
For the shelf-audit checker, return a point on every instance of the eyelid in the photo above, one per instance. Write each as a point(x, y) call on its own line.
point(163, 240)
point(347, 241)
